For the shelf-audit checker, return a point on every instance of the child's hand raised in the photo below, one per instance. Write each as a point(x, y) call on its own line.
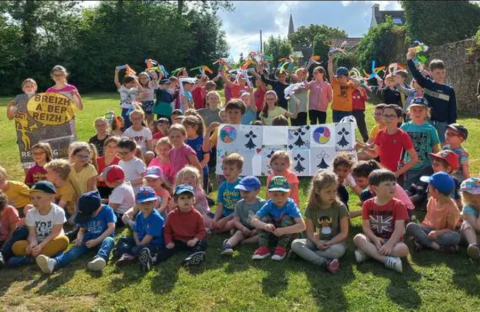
point(411, 53)
point(212, 126)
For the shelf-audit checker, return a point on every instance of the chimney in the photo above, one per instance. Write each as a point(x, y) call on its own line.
point(375, 13)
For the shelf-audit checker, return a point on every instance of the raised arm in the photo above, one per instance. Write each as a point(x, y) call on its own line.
point(117, 83)
point(331, 74)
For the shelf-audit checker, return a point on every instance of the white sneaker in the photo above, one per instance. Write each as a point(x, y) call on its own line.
point(394, 263)
point(97, 264)
point(46, 264)
point(360, 256)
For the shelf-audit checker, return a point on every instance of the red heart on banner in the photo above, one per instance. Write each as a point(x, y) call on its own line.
point(259, 150)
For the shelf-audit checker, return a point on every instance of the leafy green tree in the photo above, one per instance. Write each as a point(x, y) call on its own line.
point(277, 48)
point(305, 36)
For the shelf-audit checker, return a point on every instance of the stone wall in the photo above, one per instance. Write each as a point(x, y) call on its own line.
point(463, 72)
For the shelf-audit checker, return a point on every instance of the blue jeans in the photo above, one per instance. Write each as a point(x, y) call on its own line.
point(127, 245)
point(339, 115)
point(441, 127)
point(412, 176)
point(104, 250)
point(20, 233)
point(127, 123)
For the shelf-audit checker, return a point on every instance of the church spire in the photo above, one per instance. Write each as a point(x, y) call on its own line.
point(291, 29)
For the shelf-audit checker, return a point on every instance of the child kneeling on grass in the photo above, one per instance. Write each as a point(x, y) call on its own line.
point(148, 229)
point(245, 209)
point(327, 224)
point(184, 230)
point(383, 223)
point(280, 217)
point(96, 231)
point(437, 230)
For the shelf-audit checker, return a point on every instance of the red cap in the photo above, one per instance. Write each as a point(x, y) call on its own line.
point(449, 156)
point(113, 173)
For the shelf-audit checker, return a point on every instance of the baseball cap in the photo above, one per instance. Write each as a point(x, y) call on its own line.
point(419, 101)
point(442, 181)
point(460, 129)
point(471, 185)
point(88, 203)
point(449, 156)
point(342, 71)
point(248, 183)
point(113, 173)
point(145, 194)
point(279, 184)
point(44, 187)
point(154, 172)
point(184, 188)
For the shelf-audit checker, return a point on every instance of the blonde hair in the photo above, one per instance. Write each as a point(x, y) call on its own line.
point(323, 178)
point(177, 127)
point(136, 111)
point(59, 166)
point(207, 96)
point(101, 119)
point(233, 159)
point(163, 141)
point(77, 147)
point(3, 173)
point(471, 200)
point(59, 68)
point(185, 170)
point(280, 155)
point(29, 80)
point(45, 146)
point(110, 139)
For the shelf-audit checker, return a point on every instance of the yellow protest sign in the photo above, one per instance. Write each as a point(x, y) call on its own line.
point(50, 109)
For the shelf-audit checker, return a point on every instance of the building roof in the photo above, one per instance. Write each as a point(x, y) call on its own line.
point(351, 42)
point(291, 29)
point(398, 17)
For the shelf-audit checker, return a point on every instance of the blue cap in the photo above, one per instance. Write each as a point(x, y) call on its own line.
point(154, 172)
point(342, 71)
point(145, 194)
point(249, 183)
point(279, 184)
point(442, 181)
point(184, 188)
point(419, 101)
point(88, 203)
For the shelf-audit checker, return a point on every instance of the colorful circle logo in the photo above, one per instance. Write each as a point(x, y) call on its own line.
point(321, 135)
point(228, 134)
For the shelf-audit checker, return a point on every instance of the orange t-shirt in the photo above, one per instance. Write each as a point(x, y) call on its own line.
point(342, 96)
point(293, 181)
point(441, 216)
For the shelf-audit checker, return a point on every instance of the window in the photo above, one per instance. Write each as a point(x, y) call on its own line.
point(397, 20)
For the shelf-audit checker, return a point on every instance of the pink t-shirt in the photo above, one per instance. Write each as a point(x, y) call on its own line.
point(402, 196)
point(67, 88)
point(166, 168)
point(8, 216)
point(179, 157)
point(35, 174)
point(320, 95)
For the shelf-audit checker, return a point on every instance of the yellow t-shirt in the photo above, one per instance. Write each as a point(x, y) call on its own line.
point(214, 137)
point(277, 111)
point(342, 96)
point(18, 194)
point(79, 179)
point(374, 131)
point(67, 192)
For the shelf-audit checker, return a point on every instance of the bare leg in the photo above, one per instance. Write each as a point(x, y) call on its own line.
point(251, 240)
point(235, 239)
point(364, 244)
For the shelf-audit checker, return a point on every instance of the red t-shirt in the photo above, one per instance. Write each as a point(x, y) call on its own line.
point(184, 226)
point(158, 136)
point(35, 174)
point(7, 217)
point(198, 95)
point(382, 218)
point(358, 99)
point(391, 147)
point(236, 88)
point(101, 166)
point(259, 95)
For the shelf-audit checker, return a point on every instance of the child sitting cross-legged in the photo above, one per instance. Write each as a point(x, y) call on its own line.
point(327, 224)
point(184, 230)
point(383, 223)
point(245, 209)
point(280, 218)
point(97, 229)
point(437, 230)
point(147, 232)
point(471, 225)
point(123, 196)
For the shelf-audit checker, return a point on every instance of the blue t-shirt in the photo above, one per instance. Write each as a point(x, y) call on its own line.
point(99, 224)
point(248, 117)
point(197, 146)
point(152, 225)
point(463, 158)
point(228, 196)
point(289, 209)
point(469, 210)
point(424, 137)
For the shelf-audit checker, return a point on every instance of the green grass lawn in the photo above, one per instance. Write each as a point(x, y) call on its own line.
point(430, 281)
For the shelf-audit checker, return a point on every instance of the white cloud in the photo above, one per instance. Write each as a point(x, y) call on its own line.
point(391, 5)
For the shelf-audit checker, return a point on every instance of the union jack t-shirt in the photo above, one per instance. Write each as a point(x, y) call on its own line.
point(382, 218)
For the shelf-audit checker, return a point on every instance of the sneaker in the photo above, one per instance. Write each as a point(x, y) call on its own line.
point(394, 263)
point(125, 259)
point(227, 250)
point(416, 245)
point(332, 265)
point(473, 251)
point(97, 264)
point(292, 255)
point(2, 261)
point(261, 253)
point(360, 256)
point(279, 253)
point(194, 259)
point(145, 259)
point(46, 264)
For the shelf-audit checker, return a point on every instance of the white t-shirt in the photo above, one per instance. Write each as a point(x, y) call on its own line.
point(141, 137)
point(349, 181)
point(123, 195)
point(44, 223)
point(133, 169)
point(127, 96)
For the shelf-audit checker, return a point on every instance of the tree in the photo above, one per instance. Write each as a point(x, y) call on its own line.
point(277, 48)
point(305, 36)
point(440, 22)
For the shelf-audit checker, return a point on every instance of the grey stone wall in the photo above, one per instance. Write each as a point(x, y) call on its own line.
point(463, 72)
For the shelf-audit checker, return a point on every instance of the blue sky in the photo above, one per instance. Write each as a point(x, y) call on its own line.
point(242, 26)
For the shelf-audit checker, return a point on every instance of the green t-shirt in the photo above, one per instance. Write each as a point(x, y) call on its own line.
point(327, 220)
point(277, 111)
point(247, 211)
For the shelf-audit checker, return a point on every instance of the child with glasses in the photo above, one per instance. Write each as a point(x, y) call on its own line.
point(83, 174)
point(455, 135)
point(133, 167)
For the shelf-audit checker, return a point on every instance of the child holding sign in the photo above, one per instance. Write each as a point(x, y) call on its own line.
point(59, 75)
